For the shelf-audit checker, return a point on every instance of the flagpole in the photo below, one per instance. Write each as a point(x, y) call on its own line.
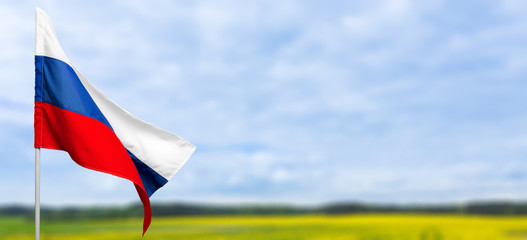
point(37, 193)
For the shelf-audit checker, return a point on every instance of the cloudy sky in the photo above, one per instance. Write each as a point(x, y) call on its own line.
point(303, 102)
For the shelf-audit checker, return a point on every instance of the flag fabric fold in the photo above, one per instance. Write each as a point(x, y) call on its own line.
point(72, 115)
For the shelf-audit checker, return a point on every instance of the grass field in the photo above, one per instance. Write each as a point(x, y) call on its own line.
point(367, 227)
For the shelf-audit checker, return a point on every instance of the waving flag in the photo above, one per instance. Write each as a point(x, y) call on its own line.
point(71, 114)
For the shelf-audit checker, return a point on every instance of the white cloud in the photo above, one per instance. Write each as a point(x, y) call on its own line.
point(297, 101)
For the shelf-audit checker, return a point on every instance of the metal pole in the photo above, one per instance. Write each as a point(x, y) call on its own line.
point(37, 193)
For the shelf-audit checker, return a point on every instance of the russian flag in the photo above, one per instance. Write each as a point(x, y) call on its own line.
point(72, 115)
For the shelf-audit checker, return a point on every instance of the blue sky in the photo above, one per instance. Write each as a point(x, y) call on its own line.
point(302, 102)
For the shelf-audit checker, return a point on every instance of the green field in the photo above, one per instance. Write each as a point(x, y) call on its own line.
point(370, 227)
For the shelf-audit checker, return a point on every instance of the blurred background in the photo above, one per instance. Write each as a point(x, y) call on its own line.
point(302, 103)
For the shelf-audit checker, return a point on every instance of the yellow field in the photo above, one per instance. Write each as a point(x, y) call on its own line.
point(367, 227)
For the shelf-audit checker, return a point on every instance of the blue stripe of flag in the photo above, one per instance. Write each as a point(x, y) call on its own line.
point(57, 83)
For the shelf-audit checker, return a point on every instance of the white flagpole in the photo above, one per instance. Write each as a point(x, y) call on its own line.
point(37, 193)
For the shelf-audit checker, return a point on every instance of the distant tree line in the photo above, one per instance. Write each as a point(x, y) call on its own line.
point(185, 209)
